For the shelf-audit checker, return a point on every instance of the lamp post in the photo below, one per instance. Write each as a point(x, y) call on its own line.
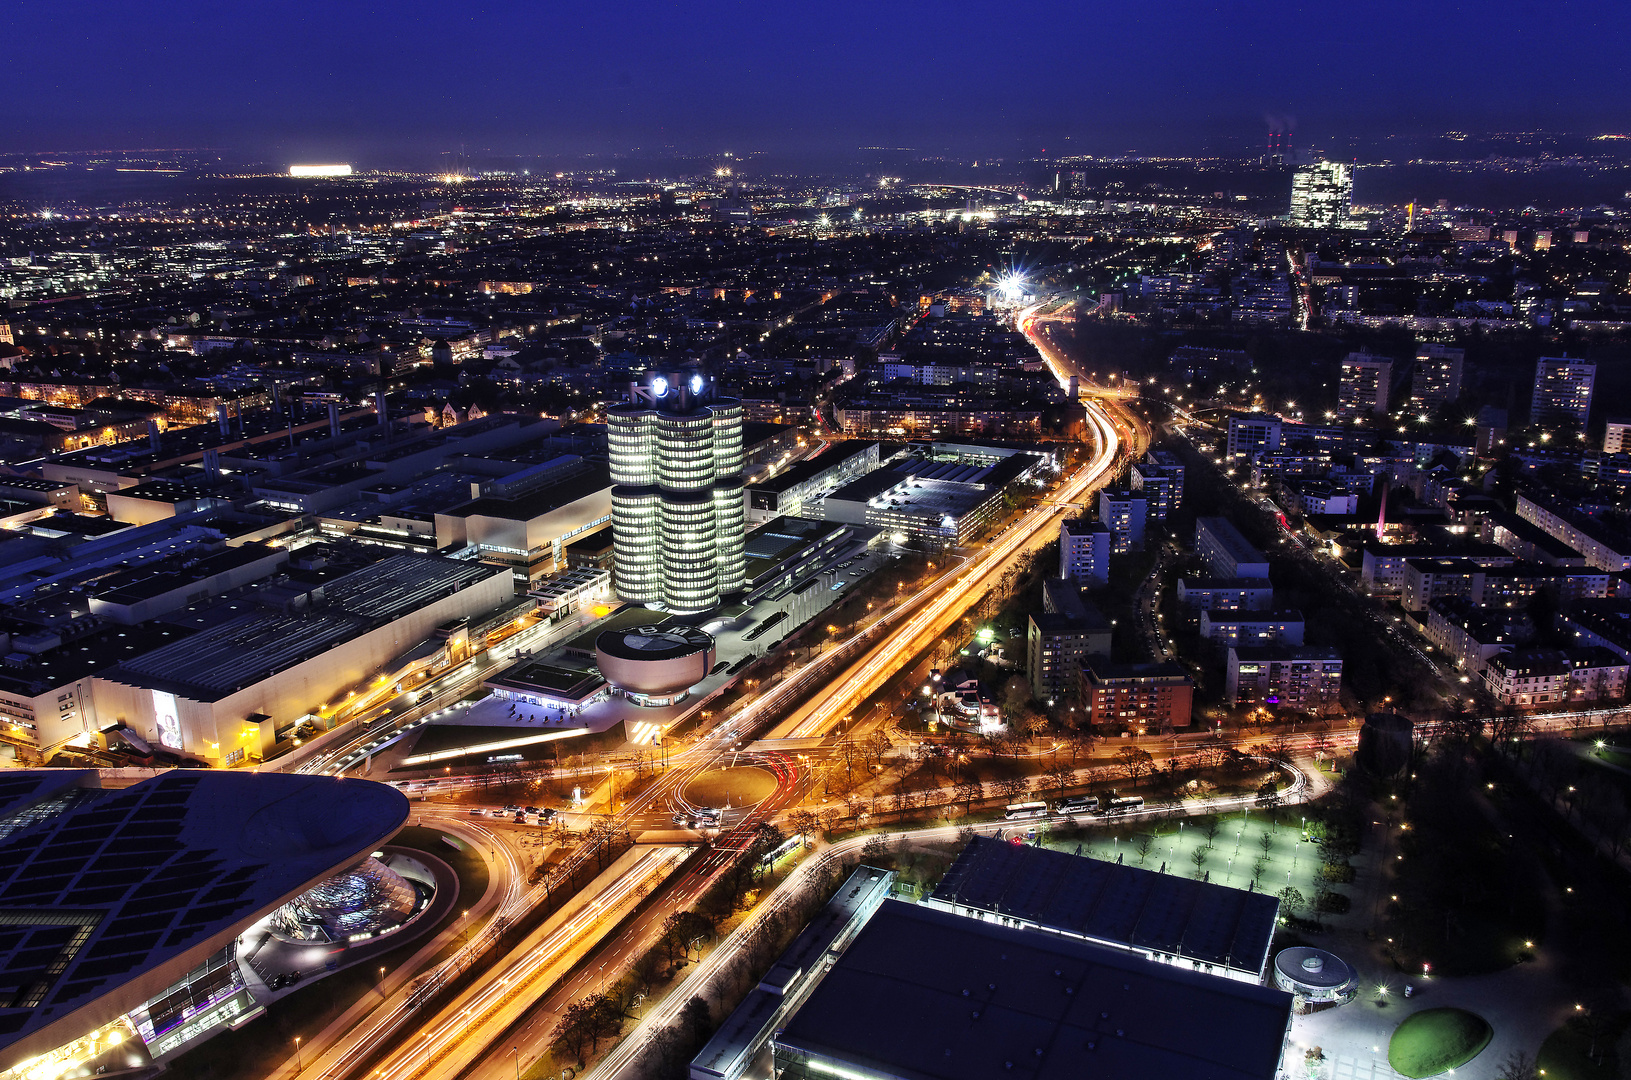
point(299, 1062)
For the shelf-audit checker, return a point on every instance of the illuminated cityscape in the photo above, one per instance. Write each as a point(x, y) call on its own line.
point(815, 545)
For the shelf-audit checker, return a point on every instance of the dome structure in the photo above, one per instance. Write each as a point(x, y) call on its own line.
point(367, 900)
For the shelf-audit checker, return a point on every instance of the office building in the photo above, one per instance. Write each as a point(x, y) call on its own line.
point(924, 994)
point(1563, 389)
point(1139, 699)
point(119, 945)
point(785, 493)
point(1364, 386)
point(1124, 514)
point(1436, 379)
point(1321, 195)
point(526, 520)
point(679, 519)
point(1224, 553)
point(945, 501)
point(1304, 678)
point(1084, 552)
point(1249, 435)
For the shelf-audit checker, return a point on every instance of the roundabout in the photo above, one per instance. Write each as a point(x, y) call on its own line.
point(730, 788)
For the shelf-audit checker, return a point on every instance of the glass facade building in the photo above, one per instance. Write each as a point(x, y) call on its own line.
point(679, 511)
point(1321, 195)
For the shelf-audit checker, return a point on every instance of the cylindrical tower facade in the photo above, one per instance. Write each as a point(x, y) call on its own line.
point(690, 572)
point(679, 514)
point(637, 544)
point(729, 495)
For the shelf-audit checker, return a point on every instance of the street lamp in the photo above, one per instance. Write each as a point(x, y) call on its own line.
point(299, 1065)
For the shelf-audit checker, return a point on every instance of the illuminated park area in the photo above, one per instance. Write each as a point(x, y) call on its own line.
point(1244, 850)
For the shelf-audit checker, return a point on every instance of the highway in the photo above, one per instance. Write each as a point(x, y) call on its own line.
point(828, 707)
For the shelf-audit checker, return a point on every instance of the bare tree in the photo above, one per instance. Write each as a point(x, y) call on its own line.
point(1518, 1065)
point(1136, 761)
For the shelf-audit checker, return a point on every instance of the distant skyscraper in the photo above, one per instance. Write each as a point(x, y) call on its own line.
point(1364, 386)
point(1437, 378)
point(679, 516)
point(1562, 390)
point(1321, 195)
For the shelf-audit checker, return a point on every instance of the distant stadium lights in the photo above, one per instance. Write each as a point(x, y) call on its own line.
point(319, 170)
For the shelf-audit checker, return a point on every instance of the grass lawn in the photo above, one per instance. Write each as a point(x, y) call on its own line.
point(1433, 1040)
point(1234, 856)
point(1571, 1052)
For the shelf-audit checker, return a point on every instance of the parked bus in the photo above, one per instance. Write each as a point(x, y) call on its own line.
point(1079, 804)
point(1027, 810)
point(1124, 805)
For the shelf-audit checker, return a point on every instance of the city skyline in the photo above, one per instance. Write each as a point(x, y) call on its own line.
point(1039, 78)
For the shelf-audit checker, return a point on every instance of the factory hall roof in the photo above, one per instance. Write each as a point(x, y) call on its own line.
point(1110, 902)
point(934, 996)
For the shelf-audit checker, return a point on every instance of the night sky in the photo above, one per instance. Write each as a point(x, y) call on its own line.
point(388, 83)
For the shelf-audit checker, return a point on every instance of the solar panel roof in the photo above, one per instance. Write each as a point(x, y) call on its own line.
point(934, 996)
point(1123, 905)
point(113, 885)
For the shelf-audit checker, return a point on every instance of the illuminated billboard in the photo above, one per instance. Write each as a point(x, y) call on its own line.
point(169, 720)
point(319, 170)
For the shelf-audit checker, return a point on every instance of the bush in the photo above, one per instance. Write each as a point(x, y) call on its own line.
point(1331, 902)
point(1339, 872)
point(1433, 1040)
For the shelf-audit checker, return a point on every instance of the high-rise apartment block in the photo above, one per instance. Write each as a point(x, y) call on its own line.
point(1437, 378)
point(679, 517)
point(1562, 390)
point(1225, 553)
point(1364, 386)
point(1321, 195)
point(1304, 678)
point(1084, 553)
point(1124, 513)
point(1614, 437)
point(1250, 434)
point(1160, 479)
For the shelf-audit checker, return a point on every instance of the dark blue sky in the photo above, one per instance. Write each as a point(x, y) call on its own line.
point(370, 82)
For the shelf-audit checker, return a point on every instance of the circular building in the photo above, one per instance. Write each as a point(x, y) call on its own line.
point(655, 665)
point(1316, 976)
point(1385, 743)
point(367, 900)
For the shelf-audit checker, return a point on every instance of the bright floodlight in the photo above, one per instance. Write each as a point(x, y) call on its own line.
point(659, 386)
point(319, 170)
point(696, 384)
point(1011, 285)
